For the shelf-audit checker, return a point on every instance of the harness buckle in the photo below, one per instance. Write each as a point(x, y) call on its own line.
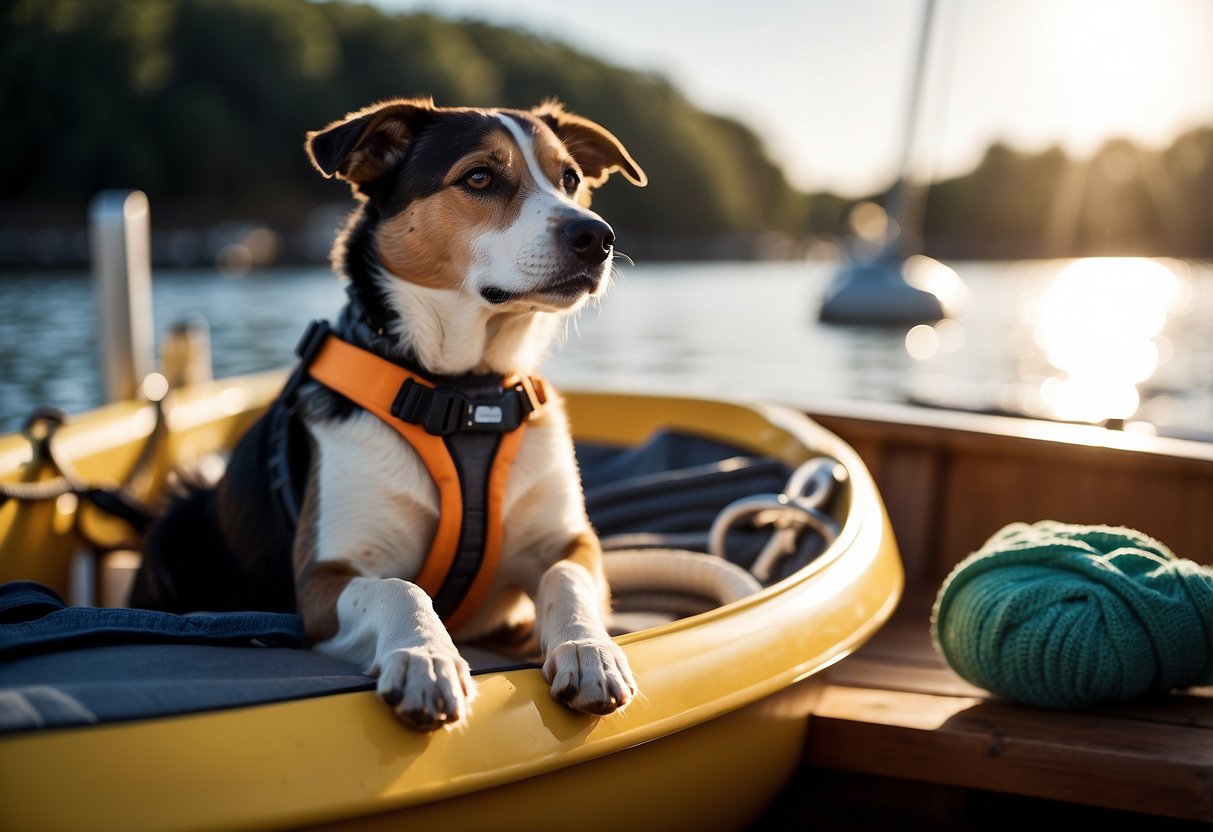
point(500, 414)
point(440, 410)
point(447, 412)
point(411, 402)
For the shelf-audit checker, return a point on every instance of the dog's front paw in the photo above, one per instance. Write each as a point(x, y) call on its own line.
point(590, 675)
point(426, 689)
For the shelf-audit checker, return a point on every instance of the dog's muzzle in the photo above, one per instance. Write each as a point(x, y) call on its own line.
point(590, 241)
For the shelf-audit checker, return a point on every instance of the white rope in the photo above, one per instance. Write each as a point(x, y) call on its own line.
point(671, 580)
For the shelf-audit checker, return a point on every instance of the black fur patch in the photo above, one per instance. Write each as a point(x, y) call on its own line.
point(222, 549)
point(443, 141)
point(439, 143)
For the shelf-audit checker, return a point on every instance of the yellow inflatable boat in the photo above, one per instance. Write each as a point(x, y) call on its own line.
point(715, 735)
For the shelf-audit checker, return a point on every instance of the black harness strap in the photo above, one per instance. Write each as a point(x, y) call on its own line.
point(474, 454)
point(289, 459)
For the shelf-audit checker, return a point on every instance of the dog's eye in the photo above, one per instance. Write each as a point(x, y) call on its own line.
point(479, 179)
point(571, 180)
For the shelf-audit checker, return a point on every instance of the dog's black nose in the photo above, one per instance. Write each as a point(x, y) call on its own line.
point(590, 239)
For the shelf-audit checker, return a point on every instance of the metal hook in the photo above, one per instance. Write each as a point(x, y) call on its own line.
point(789, 514)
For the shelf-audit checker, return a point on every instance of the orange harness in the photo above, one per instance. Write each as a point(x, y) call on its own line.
point(426, 415)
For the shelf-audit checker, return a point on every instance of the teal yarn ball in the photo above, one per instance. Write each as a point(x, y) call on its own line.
point(1065, 616)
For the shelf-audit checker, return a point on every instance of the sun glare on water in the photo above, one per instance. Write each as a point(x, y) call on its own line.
point(1099, 325)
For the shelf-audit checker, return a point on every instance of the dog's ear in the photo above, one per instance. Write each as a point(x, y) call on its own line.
point(598, 153)
point(362, 146)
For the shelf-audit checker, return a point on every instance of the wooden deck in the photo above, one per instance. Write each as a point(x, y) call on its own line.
point(895, 710)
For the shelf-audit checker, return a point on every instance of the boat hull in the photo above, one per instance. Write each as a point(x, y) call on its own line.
point(717, 731)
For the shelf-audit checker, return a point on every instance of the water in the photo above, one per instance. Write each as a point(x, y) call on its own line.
point(1078, 340)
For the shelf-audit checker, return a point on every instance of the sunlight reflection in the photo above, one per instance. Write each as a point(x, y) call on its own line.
point(1100, 325)
point(942, 281)
point(924, 341)
point(921, 342)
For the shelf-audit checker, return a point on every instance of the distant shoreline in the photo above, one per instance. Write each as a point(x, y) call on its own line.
point(237, 247)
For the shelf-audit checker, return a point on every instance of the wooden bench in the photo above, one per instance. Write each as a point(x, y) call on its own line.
point(894, 709)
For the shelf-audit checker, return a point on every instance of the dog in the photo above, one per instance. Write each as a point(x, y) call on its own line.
point(472, 240)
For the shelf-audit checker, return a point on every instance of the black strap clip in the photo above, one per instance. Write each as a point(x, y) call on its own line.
point(313, 339)
point(441, 410)
point(444, 410)
point(447, 412)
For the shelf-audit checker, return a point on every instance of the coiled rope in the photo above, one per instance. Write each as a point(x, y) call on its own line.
point(40, 428)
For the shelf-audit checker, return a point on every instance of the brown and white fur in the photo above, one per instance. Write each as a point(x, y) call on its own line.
point(471, 243)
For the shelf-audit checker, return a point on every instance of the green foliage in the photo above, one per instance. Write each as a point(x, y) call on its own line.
point(1125, 200)
point(204, 105)
point(1005, 201)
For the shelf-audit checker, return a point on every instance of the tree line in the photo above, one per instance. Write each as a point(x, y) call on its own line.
point(1123, 200)
point(203, 104)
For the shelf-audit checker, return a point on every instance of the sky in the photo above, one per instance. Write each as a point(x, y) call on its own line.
point(826, 83)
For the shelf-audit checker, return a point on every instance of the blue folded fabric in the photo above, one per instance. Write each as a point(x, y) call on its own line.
point(33, 619)
point(66, 666)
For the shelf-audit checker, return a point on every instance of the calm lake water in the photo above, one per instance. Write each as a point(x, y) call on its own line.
point(1076, 340)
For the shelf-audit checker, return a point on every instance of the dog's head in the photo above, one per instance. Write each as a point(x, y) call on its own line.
point(490, 203)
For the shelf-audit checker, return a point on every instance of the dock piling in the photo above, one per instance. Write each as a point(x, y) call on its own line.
point(122, 283)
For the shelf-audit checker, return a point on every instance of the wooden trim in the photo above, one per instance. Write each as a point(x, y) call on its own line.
point(950, 480)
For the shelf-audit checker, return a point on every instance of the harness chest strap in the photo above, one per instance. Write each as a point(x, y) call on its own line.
point(377, 385)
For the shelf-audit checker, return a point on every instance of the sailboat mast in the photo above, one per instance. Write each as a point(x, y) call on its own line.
point(900, 205)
